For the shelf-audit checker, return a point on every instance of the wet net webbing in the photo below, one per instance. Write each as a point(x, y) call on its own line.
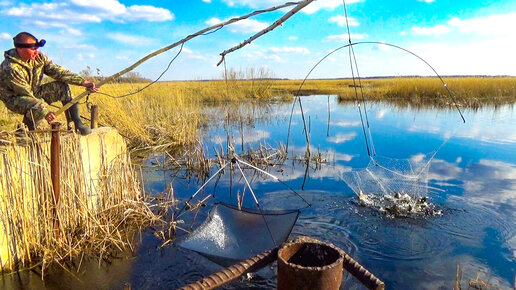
point(229, 235)
point(390, 176)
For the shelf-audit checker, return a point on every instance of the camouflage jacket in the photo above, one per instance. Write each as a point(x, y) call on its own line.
point(19, 78)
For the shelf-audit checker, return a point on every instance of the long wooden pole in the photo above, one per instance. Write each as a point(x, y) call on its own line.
point(200, 32)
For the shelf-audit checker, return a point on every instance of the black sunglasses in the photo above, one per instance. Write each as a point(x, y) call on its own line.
point(37, 44)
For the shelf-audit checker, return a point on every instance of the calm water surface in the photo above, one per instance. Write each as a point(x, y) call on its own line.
point(473, 180)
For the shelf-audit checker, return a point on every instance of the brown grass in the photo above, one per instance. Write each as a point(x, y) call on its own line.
point(168, 114)
point(93, 225)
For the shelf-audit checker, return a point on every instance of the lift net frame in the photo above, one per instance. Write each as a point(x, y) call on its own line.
point(391, 176)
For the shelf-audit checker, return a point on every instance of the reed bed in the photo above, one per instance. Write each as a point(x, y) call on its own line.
point(92, 218)
point(168, 114)
point(484, 90)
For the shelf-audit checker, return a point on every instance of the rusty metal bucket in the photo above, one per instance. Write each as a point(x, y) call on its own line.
point(309, 264)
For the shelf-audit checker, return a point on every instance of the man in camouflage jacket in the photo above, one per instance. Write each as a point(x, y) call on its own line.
point(21, 90)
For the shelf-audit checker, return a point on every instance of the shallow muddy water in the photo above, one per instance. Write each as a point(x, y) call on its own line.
point(472, 183)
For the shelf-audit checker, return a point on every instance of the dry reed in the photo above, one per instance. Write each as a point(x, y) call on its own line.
point(168, 114)
point(93, 216)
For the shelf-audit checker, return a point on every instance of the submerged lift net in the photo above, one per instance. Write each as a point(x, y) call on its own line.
point(230, 234)
point(385, 176)
point(233, 233)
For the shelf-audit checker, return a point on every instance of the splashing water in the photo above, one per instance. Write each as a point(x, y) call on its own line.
point(394, 187)
point(399, 205)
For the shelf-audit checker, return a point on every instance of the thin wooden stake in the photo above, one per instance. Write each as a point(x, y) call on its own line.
point(55, 169)
point(94, 116)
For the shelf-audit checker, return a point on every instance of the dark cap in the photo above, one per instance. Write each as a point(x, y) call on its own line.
point(22, 35)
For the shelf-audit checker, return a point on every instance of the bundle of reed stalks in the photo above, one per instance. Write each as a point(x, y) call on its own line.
point(92, 215)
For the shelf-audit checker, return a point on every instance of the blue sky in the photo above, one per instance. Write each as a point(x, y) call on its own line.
point(456, 37)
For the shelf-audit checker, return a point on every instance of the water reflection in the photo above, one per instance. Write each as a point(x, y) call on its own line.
point(473, 180)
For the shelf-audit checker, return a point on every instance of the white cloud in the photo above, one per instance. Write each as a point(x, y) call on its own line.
point(67, 30)
point(380, 114)
point(218, 139)
point(493, 25)
point(274, 57)
point(242, 26)
point(81, 56)
point(5, 3)
point(147, 13)
point(206, 1)
point(292, 38)
point(250, 137)
point(436, 30)
point(330, 171)
point(325, 4)
point(426, 1)
point(48, 24)
point(480, 179)
point(345, 37)
point(383, 46)
point(112, 6)
point(289, 49)
point(72, 31)
point(79, 46)
point(461, 58)
point(441, 170)
point(51, 11)
point(342, 137)
point(262, 55)
point(84, 11)
point(343, 157)
point(255, 136)
point(499, 24)
point(341, 20)
point(310, 9)
point(248, 25)
point(129, 39)
point(213, 21)
point(346, 123)
point(254, 3)
point(5, 35)
point(193, 54)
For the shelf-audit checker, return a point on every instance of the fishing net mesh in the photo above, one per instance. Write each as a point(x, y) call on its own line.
point(390, 176)
point(230, 234)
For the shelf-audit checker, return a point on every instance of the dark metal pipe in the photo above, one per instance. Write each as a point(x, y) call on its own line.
point(358, 271)
point(306, 265)
point(362, 274)
point(250, 265)
point(233, 272)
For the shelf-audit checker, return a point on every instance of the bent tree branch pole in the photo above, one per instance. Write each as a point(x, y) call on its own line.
point(277, 23)
point(299, 4)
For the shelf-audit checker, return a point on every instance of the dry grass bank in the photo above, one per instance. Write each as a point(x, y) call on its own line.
point(479, 89)
point(168, 113)
point(92, 217)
